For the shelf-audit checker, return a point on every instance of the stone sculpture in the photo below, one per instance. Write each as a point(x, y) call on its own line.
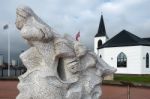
point(58, 67)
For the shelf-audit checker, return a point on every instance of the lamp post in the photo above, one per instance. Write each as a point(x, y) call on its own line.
point(5, 27)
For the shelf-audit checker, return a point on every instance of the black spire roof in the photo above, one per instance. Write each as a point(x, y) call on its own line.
point(125, 38)
point(101, 29)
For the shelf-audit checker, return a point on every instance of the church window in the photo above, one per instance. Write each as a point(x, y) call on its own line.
point(100, 56)
point(147, 60)
point(99, 43)
point(121, 60)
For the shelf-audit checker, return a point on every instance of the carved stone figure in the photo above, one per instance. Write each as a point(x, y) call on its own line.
point(58, 67)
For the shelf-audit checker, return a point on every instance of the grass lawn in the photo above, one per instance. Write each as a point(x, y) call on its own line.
point(133, 78)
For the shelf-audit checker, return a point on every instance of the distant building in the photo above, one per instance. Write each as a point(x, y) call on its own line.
point(125, 51)
point(1, 59)
point(14, 62)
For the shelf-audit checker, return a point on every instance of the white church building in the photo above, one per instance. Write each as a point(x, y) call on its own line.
point(125, 51)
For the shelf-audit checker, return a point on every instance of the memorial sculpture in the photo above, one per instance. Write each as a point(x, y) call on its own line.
point(58, 67)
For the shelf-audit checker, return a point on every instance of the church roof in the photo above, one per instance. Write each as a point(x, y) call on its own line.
point(125, 38)
point(101, 29)
point(147, 39)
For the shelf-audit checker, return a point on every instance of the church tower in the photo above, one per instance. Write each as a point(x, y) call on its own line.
point(101, 36)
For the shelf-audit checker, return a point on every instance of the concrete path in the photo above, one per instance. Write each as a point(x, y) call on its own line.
point(8, 90)
point(121, 92)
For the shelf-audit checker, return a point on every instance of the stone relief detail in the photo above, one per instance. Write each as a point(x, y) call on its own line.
point(58, 67)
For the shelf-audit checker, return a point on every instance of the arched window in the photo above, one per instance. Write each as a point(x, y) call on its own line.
point(100, 56)
point(99, 43)
point(147, 60)
point(121, 60)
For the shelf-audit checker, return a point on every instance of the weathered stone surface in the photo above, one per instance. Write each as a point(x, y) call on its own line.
point(58, 67)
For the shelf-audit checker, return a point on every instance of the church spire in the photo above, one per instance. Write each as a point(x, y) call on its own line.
point(101, 29)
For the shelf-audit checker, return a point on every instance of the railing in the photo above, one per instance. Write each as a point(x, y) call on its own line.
point(14, 71)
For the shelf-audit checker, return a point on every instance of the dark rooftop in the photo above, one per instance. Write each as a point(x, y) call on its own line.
point(125, 38)
point(147, 39)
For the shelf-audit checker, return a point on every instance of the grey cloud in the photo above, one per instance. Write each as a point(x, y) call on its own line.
point(67, 16)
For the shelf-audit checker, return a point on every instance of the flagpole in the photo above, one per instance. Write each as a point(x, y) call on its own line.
point(5, 27)
point(8, 54)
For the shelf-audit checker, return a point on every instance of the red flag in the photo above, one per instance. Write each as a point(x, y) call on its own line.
point(77, 36)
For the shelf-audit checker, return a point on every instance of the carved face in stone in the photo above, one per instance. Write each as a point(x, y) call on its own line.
point(22, 14)
point(31, 26)
point(19, 21)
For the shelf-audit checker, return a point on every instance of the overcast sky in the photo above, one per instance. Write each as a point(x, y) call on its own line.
point(70, 16)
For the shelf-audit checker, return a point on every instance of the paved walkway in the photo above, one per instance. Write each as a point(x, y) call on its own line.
point(121, 92)
point(8, 90)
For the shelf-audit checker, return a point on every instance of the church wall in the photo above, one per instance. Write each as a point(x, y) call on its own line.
point(96, 39)
point(145, 49)
point(133, 53)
